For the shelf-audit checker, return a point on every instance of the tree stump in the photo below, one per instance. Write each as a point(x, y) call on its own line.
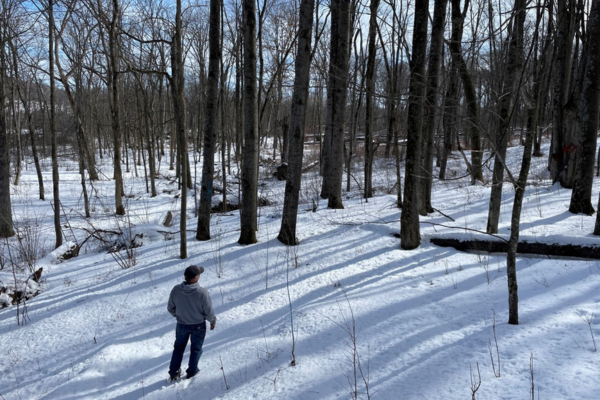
point(282, 170)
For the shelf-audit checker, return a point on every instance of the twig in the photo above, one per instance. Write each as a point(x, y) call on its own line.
point(589, 319)
point(142, 382)
point(447, 216)
point(531, 370)
point(496, 374)
point(465, 228)
point(293, 362)
point(474, 385)
point(223, 370)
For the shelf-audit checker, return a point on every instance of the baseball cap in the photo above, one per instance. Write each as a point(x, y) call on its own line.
point(192, 271)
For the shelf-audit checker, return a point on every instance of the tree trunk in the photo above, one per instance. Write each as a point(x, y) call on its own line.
point(450, 117)
point(24, 99)
point(212, 111)
point(177, 93)
point(370, 86)
point(79, 129)
point(287, 232)
point(115, 106)
point(339, 88)
point(149, 128)
point(248, 211)
point(225, 144)
point(472, 108)
point(431, 102)
point(326, 150)
point(562, 62)
point(16, 119)
point(410, 236)
point(55, 178)
point(355, 107)
point(532, 105)
point(511, 256)
point(6, 222)
point(75, 103)
point(589, 104)
point(507, 100)
point(524, 247)
point(546, 74)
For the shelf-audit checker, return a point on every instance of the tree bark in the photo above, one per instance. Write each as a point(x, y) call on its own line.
point(524, 247)
point(24, 99)
point(55, 177)
point(431, 102)
point(410, 236)
point(370, 86)
point(336, 107)
point(562, 62)
point(212, 111)
point(248, 211)
point(114, 103)
point(589, 104)
point(450, 117)
point(509, 97)
point(6, 222)
point(458, 19)
point(177, 93)
point(287, 232)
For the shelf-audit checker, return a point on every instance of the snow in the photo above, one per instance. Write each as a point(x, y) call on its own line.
point(420, 321)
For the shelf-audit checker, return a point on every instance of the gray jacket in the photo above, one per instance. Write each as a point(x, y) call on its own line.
point(191, 304)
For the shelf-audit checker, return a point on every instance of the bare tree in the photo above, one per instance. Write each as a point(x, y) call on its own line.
point(76, 49)
point(516, 52)
point(450, 116)
point(471, 100)
point(212, 112)
point(369, 150)
point(55, 177)
point(287, 232)
point(589, 104)
point(6, 222)
point(394, 66)
point(85, 155)
point(248, 211)
point(109, 17)
point(24, 94)
point(410, 236)
point(431, 100)
point(563, 44)
point(510, 92)
point(336, 103)
point(177, 84)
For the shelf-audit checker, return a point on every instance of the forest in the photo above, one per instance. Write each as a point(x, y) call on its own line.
point(274, 122)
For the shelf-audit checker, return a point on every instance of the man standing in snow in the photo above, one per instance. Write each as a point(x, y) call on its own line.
point(191, 305)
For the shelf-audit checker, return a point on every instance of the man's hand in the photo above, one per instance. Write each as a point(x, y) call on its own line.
point(212, 325)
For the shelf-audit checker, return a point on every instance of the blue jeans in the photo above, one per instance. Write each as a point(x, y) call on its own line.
point(182, 335)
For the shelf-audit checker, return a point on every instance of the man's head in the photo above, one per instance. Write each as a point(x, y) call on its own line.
point(192, 273)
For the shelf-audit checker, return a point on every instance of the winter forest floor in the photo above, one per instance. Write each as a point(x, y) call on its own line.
point(366, 315)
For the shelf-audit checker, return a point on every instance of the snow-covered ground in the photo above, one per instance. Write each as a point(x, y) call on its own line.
point(419, 322)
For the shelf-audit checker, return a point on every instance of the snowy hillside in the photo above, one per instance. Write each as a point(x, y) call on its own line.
point(366, 315)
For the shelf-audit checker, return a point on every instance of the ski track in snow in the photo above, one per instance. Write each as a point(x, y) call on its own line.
point(422, 318)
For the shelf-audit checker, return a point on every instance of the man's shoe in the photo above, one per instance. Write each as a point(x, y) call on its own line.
point(175, 377)
point(190, 376)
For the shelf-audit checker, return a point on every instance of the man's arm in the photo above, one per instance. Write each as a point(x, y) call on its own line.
point(171, 305)
point(208, 310)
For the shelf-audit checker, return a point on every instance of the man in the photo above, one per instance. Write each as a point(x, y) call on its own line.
point(191, 305)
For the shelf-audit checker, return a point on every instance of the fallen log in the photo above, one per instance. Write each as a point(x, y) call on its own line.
point(544, 249)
